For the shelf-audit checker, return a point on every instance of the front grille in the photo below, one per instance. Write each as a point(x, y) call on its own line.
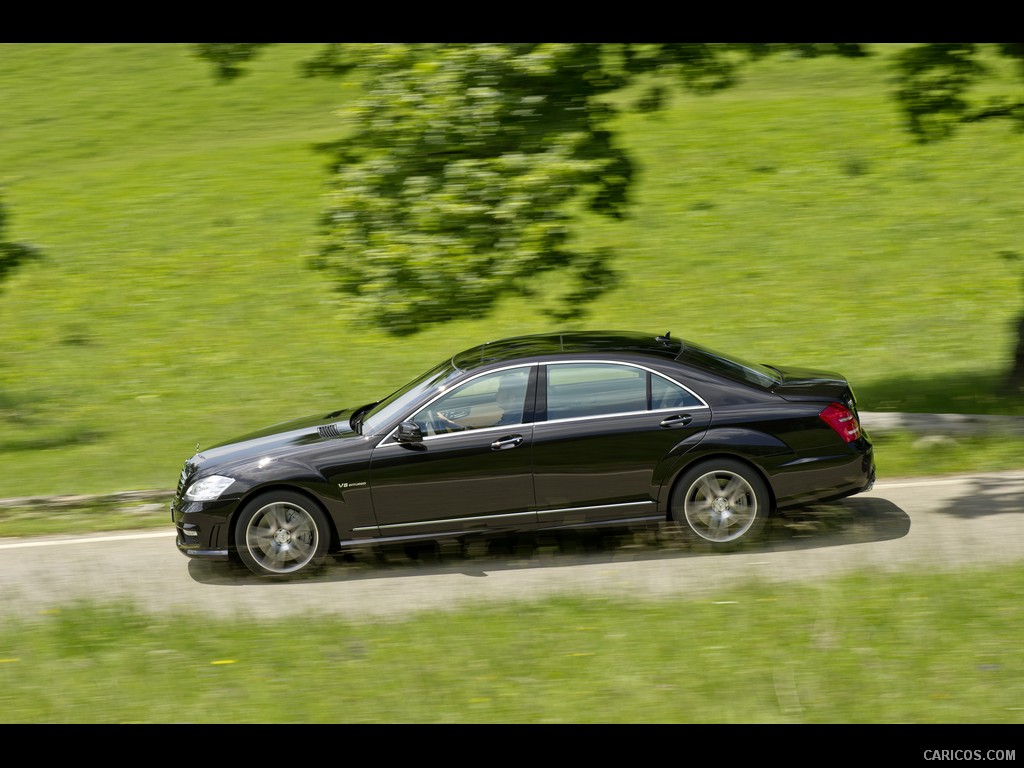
point(186, 473)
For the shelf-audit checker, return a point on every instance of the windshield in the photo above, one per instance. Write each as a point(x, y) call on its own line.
point(729, 365)
point(395, 404)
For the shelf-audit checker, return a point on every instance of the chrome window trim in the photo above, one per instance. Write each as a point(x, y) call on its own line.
point(615, 415)
point(653, 372)
point(388, 440)
point(520, 427)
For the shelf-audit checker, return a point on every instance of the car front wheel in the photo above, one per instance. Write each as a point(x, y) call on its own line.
point(723, 503)
point(280, 534)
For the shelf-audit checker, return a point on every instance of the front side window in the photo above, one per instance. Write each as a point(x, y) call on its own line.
point(578, 390)
point(393, 405)
point(492, 400)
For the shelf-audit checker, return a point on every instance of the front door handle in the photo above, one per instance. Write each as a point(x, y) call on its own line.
point(507, 442)
point(679, 420)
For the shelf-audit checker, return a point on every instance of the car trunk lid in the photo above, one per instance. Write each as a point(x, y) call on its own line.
point(801, 384)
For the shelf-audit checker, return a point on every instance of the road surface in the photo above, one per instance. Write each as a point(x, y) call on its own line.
point(928, 523)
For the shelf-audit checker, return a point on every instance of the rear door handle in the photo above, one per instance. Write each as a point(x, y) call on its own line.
point(507, 442)
point(679, 420)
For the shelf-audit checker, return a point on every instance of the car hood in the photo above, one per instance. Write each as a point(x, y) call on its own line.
point(811, 384)
point(279, 438)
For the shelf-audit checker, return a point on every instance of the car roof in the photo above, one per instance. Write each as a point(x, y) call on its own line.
point(575, 342)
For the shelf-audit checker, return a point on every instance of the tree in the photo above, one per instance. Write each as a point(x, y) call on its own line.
point(465, 164)
point(12, 255)
point(227, 58)
point(938, 86)
point(939, 90)
point(454, 188)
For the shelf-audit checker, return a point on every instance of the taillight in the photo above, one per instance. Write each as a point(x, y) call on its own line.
point(842, 420)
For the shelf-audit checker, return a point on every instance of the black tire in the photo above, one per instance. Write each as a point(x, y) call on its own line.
point(721, 503)
point(282, 534)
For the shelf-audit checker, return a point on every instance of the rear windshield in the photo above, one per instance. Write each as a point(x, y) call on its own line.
point(728, 365)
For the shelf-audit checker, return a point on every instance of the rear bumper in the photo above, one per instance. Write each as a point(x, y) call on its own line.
point(830, 478)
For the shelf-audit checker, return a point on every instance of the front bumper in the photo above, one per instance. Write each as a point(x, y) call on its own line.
point(203, 528)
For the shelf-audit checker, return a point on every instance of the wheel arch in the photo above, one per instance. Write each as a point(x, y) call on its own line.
point(668, 489)
point(255, 493)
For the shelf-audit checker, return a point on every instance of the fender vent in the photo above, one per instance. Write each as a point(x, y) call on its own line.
point(329, 430)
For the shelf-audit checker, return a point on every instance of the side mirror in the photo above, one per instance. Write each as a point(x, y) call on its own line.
point(408, 432)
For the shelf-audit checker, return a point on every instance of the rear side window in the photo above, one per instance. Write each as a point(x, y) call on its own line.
point(577, 390)
point(668, 394)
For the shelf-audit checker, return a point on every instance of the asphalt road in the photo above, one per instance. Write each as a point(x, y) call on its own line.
point(929, 523)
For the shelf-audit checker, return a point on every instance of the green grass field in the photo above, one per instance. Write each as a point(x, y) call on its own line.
point(904, 649)
point(788, 220)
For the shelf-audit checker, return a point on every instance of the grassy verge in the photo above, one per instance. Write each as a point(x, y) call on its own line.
point(910, 648)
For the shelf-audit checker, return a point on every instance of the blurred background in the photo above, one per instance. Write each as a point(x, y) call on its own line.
point(195, 250)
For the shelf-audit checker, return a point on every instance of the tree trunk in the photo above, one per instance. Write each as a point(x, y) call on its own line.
point(1015, 381)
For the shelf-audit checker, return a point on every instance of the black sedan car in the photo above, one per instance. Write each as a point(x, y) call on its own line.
point(543, 432)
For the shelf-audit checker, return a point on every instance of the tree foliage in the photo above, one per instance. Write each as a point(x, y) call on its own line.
point(465, 164)
point(454, 187)
point(939, 86)
point(228, 58)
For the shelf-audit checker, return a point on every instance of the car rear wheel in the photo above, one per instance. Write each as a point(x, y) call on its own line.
point(722, 503)
point(281, 534)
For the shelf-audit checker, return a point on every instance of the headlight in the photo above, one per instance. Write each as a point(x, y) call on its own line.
point(209, 488)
